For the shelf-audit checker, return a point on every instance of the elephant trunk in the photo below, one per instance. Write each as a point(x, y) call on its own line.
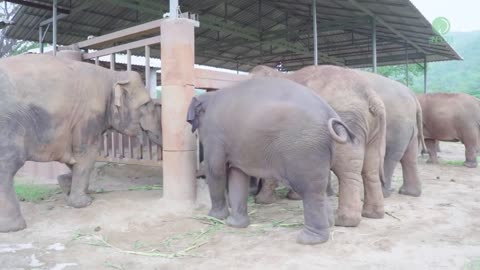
point(339, 131)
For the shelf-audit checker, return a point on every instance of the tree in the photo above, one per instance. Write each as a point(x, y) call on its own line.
point(9, 47)
point(398, 72)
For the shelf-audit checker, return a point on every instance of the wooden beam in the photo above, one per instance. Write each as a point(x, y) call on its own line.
point(139, 30)
point(123, 47)
point(212, 79)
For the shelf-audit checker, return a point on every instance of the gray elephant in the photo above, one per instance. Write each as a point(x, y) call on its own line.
point(352, 97)
point(54, 109)
point(451, 117)
point(404, 132)
point(268, 128)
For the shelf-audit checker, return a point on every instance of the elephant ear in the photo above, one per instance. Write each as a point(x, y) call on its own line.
point(194, 110)
point(118, 92)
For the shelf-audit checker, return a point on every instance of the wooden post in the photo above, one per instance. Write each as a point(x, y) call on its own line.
point(179, 143)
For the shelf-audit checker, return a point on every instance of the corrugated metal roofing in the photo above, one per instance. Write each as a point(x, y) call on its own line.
point(239, 34)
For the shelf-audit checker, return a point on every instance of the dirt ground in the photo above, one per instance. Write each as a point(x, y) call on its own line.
point(136, 229)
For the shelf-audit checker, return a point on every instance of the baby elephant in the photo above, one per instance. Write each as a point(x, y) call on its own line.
point(269, 128)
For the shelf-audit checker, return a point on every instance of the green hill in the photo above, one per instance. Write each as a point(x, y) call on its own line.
point(456, 76)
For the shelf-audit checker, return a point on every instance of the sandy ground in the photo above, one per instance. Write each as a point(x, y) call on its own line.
point(135, 229)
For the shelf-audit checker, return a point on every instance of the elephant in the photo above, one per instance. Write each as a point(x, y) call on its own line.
point(404, 134)
point(364, 112)
point(403, 117)
point(55, 109)
point(451, 117)
point(268, 128)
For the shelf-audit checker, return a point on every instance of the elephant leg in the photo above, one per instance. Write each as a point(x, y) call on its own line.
point(330, 191)
point(65, 181)
point(255, 186)
point(391, 160)
point(470, 154)
point(11, 218)
point(217, 185)
point(81, 172)
point(348, 171)
point(292, 195)
point(432, 151)
point(373, 205)
point(411, 181)
point(238, 183)
point(267, 193)
point(318, 214)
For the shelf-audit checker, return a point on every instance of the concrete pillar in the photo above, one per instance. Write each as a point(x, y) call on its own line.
point(179, 147)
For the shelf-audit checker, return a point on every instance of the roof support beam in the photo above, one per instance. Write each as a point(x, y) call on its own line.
point(226, 26)
point(54, 26)
point(315, 33)
point(374, 45)
point(78, 9)
point(384, 23)
point(37, 5)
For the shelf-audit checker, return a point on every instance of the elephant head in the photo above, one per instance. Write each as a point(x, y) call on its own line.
point(197, 108)
point(132, 109)
point(151, 121)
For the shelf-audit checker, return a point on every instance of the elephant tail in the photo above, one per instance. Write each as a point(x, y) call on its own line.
point(340, 131)
point(420, 136)
point(377, 109)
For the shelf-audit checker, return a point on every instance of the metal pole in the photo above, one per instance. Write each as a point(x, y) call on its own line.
point(406, 65)
point(54, 18)
point(425, 74)
point(40, 38)
point(374, 45)
point(315, 33)
point(173, 8)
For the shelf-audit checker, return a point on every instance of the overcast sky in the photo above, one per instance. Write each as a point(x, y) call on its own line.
point(464, 15)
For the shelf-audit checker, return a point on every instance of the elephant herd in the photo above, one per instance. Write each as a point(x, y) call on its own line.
point(289, 127)
point(261, 129)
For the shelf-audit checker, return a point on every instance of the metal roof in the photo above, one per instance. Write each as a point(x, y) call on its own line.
point(240, 34)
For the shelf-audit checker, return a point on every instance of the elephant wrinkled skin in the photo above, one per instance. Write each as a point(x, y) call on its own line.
point(268, 128)
point(352, 97)
point(54, 109)
point(451, 117)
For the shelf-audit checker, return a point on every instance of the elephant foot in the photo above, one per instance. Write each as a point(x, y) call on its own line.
point(410, 191)
point(432, 161)
point(12, 225)
point(79, 201)
point(373, 211)
point(470, 164)
point(292, 195)
point(219, 213)
point(387, 192)
point(65, 183)
point(307, 237)
point(263, 198)
point(238, 221)
point(346, 218)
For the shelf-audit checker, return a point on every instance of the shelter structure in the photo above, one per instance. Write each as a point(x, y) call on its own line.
point(231, 34)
